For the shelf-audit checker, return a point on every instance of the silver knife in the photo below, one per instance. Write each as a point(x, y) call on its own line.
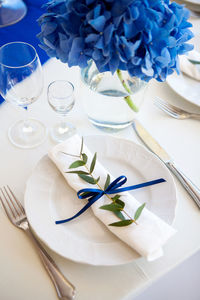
point(153, 145)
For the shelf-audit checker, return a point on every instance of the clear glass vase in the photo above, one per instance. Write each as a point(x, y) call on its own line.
point(111, 102)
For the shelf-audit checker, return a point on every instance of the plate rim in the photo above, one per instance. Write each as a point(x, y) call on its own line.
point(192, 2)
point(154, 157)
point(180, 95)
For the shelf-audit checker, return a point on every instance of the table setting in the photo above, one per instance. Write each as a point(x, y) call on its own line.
point(91, 175)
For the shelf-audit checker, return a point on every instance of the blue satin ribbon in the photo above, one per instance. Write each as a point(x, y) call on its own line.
point(114, 188)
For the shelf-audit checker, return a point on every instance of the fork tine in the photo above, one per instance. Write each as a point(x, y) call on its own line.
point(11, 202)
point(169, 106)
point(17, 201)
point(166, 110)
point(165, 107)
point(8, 209)
point(163, 104)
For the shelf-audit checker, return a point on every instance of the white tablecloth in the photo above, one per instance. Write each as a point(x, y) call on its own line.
point(21, 273)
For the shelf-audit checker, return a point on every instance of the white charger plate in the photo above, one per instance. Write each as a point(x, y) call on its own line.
point(185, 87)
point(48, 198)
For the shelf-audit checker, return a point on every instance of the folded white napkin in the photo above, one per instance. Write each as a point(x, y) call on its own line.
point(190, 69)
point(151, 233)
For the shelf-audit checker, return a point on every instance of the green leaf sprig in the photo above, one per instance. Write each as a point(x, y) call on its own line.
point(117, 205)
point(194, 62)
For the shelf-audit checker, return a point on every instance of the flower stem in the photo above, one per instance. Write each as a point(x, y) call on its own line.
point(131, 104)
point(119, 73)
point(126, 87)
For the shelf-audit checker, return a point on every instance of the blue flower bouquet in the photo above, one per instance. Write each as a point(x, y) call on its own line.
point(142, 37)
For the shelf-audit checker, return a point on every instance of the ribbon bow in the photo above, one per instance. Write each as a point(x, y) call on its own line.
point(92, 195)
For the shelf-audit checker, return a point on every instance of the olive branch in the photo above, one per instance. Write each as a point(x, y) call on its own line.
point(117, 206)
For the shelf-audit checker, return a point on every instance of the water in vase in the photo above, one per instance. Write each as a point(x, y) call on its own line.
point(104, 98)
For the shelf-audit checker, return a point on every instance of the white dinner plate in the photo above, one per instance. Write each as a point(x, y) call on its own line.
point(49, 198)
point(193, 5)
point(197, 2)
point(185, 87)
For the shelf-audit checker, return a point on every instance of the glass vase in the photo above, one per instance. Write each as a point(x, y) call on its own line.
point(111, 102)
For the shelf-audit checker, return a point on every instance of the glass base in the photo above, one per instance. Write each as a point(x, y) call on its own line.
point(59, 133)
point(109, 126)
point(29, 136)
point(11, 12)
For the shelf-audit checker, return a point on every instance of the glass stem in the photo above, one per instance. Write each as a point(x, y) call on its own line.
point(63, 122)
point(128, 98)
point(27, 127)
point(63, 128)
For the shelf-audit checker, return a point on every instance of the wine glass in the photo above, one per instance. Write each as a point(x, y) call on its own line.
point(11, 12)
point(21, 83)
point(61, 99)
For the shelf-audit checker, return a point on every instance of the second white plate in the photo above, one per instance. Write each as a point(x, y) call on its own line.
point(185, 87)
point(48, 198)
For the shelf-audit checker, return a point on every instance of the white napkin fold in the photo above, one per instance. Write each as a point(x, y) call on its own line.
point(151, 233)
point(190, 69)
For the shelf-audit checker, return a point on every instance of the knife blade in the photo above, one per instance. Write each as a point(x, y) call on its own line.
point(154, 146)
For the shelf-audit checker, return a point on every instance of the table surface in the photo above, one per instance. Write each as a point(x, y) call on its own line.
point(21, 274)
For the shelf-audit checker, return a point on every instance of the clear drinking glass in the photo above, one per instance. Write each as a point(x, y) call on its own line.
point(21, 83)
point(61, 99)
point(11, 12)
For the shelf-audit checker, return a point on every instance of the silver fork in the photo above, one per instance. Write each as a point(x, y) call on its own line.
point(174, 111)
point(16, 214)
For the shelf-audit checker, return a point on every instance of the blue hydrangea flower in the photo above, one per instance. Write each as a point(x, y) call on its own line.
point(143, 37)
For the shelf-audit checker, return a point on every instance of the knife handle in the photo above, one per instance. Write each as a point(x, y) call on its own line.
point(190, 187)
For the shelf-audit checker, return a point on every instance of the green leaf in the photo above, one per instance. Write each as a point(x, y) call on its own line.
point(97, 180)
point(139, 211)
point(119, 215)
point(116, 197)
point(78, 172)
point(85, 193)
point(85, 158)
point(87, 178)
point(107, 182)
point(194, 62)
point(120, 202)
point(122, 223)
point(81, 146)
point(76, 164)
point(93, 163)
point(111, 207)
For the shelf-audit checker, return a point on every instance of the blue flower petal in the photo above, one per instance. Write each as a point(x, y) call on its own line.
point(96, 55)
point(88, 2)
point(49, 44)
point(48, 28)
point(92, 38)
point(97, 11)
point(98, 23)
point(130, 30)
point(114, 63)
point(108, 32)
point(134, 12)
point(144, 37)
point(100, 43)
